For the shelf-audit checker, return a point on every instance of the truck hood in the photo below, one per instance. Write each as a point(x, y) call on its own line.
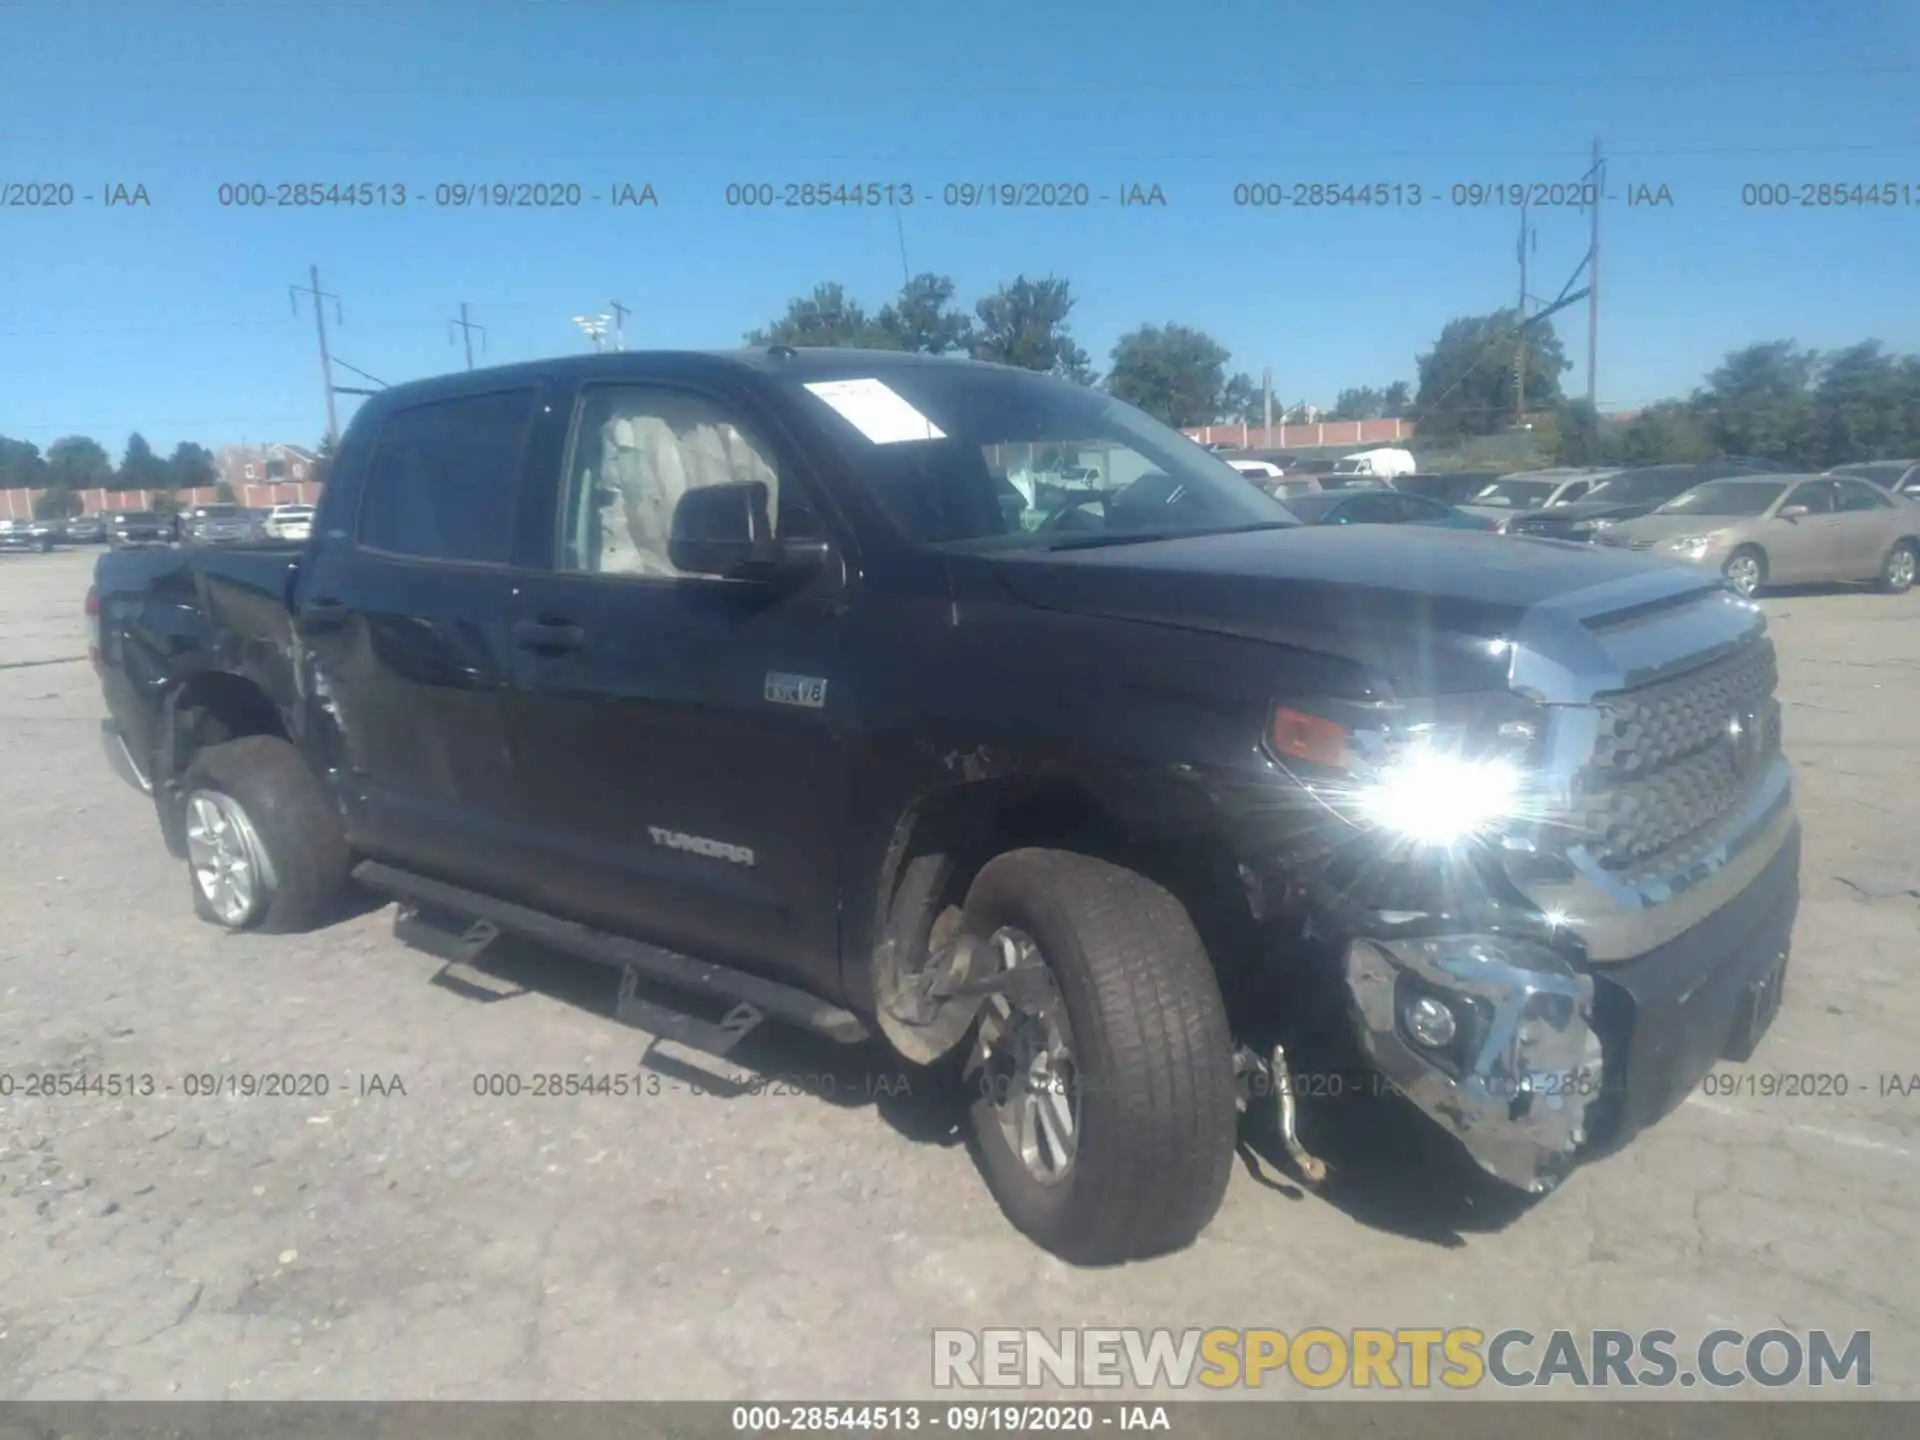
point(1417, 606)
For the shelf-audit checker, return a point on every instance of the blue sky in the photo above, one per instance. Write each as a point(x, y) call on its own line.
point(174, 319)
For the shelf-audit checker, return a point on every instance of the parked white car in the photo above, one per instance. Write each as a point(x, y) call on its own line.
point(1257, 469)
point(1386, 462)
point(289, 522)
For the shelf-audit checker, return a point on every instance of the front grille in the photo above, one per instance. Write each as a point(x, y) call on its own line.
point(1672, 759)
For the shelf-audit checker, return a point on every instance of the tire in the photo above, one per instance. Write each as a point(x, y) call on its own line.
point(277, 822)
point(1744, 562)
point(1897, 574)
point(1157, 1119)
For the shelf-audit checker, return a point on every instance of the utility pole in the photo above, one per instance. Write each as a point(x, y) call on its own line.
point(1520, 346)
point(620, 313)
point(467, 327)
point(320, 325)
point(1266, 405)
point(1593, 282)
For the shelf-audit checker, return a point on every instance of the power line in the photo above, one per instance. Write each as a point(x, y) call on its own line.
point(1028, 160)
point(1344, 81)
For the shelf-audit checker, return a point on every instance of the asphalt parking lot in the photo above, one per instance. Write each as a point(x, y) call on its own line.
point(405, 1237)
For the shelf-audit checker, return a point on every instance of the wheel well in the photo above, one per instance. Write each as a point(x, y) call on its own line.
point(970, 824)
point(215, 707)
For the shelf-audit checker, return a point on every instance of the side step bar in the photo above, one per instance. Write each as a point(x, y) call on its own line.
point(769, 998)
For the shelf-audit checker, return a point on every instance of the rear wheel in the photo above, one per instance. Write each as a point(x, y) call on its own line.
point(1103, 1111)
point(265, 850)
point(1746, 571)
point(1897, 575)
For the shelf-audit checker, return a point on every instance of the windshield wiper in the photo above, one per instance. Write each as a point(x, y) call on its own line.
point(1096, 542)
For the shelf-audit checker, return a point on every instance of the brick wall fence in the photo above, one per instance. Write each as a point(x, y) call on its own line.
point(18, 504)
point(1304, 437)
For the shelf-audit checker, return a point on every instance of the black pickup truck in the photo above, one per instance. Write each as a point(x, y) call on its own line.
point(760, 674)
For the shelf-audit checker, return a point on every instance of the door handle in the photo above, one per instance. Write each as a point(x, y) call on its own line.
point(323, 613)
point(545, 637)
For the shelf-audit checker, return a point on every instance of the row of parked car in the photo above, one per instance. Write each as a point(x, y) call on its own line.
point(216, 524)
point(1754, 520)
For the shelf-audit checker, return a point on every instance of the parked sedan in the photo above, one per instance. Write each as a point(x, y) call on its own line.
point(139, 527)
point(1900, 476)
point(217, 525)
point(1510, 496)
point(1449, 487)
point(1629, 495)
point(86, 529)
point(1378, 507)
point(1785, 530)
point(288, 522)
point(40, 535)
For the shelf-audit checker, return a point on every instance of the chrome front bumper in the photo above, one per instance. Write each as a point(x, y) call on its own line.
point(1515, 1085)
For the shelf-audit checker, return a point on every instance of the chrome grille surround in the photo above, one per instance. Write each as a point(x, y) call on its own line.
point(1649, 811)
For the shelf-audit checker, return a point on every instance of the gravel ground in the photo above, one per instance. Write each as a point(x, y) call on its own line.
point(403, 1237)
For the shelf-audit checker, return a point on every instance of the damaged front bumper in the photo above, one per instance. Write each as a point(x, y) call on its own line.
point(1541, 1062)
point(1489, 1036)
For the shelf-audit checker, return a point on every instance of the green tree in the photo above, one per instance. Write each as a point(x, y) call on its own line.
point(923, 319)
point(1177, 375)
point(1396, 401)
point(223, 494)
point(78, 463)
point(323, 460)
point(189, 467)
point(1669, 432)
point(1867, 404)
point(1024, 323)
point(140, 468)
point(828, 317)
point(1760, 402)
point(1357, 402)
point(22, 467)
point(57, 504)
point(1467, 379)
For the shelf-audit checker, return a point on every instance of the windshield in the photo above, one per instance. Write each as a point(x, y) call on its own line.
point(989, 478)
point(1348, 467)
point(217, 512)
point(1635, 489)
point(1725, 497)
point(1515, 494)
point(131, 517)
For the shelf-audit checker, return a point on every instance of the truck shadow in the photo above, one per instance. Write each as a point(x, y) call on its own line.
point(1389, 1168)
point(769, 1061)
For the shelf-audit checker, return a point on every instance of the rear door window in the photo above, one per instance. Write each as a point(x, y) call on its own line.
point(444, 479)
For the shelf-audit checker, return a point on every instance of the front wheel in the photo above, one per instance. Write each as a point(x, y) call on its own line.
point(1746, 571)
point(1897, 575)
point(1104, 1115)
point(265, 851)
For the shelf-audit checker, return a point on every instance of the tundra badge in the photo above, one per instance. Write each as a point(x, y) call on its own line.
point(806, 690)
point(700, 845)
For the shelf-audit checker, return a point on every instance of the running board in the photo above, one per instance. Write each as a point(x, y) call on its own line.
point(634, 958)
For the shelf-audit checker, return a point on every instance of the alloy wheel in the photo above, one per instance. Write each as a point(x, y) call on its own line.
point(1024, 1057)
point(1743, 573)
point(225, 855)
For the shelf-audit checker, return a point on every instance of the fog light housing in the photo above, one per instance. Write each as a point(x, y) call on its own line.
point(1429, 1021)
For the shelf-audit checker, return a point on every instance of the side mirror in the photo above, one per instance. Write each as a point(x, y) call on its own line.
point(1794, 512)
point(725, 531)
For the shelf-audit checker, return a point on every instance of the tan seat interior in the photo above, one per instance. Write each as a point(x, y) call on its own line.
point(650, 455)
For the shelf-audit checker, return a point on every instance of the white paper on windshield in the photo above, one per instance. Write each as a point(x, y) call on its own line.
point(877, 411)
